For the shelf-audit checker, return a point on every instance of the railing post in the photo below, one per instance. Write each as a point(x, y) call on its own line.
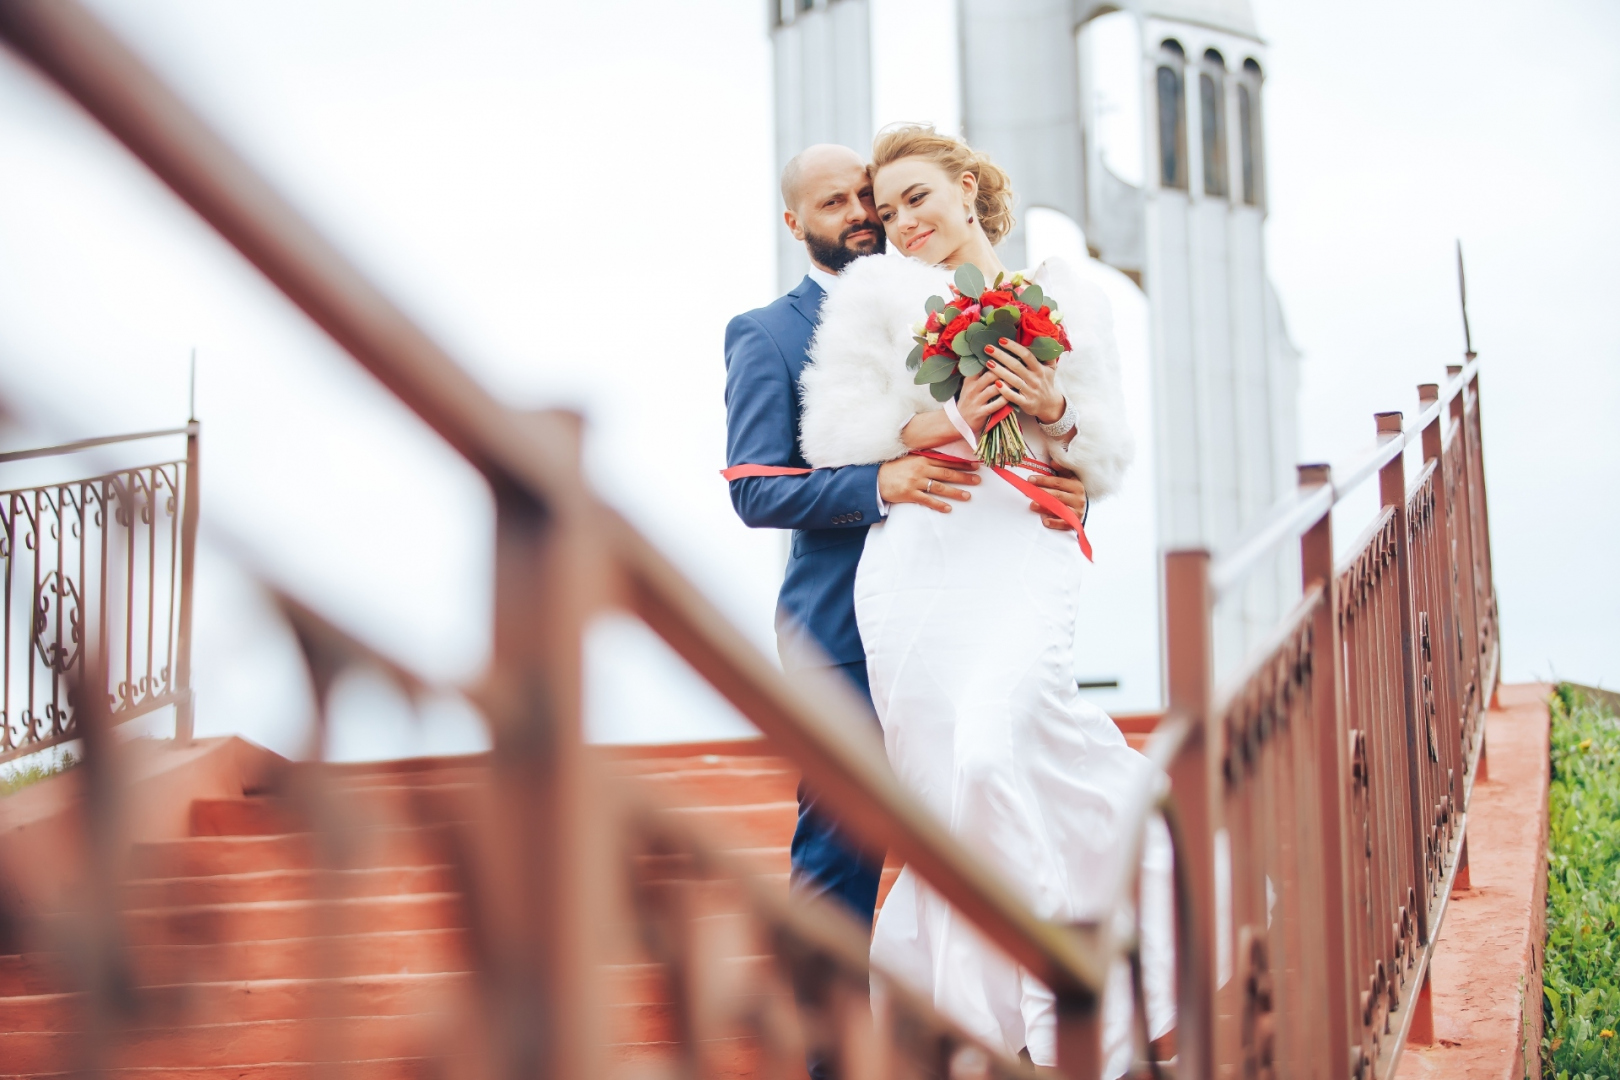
point(185, 708)
point(1193, 782)
point(1392, 493)
point(1327, 697)
point(549, 581)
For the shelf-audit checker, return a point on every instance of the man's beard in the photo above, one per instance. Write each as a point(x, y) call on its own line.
point(837, 254)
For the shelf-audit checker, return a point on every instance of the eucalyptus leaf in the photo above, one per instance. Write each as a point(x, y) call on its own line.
point(1005, 322)
point(935, 369)
point(944, 391)
point(988, 313)
point(961, 344)
point(970, 366)
point(999, 278)
point(978, 337)
point(970, 280)
point(933, 304)
point(950, 314)
point(1046, 349)
point(1033, 296)
point(915, 358)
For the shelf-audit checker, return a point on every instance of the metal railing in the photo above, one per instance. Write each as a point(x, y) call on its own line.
point(1324, 800)
point(1303, 816)
point(101, 562)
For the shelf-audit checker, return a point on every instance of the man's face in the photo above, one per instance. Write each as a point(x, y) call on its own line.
point(834, 215)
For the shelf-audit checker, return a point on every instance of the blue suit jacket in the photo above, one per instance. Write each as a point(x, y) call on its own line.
point(829, 510)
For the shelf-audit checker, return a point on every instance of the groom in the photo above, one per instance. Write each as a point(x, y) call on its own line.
point(829, 208)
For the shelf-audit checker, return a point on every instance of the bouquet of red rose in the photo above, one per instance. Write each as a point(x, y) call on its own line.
point(952, 340)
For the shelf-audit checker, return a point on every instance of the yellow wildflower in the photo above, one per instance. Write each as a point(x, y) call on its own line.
point(1586, 744)
point(1606, 1033)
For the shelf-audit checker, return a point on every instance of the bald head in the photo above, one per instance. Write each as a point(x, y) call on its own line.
point(829, 205)
point(823, 165)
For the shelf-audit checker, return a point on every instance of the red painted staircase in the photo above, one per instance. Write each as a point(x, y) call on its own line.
point(253, 963)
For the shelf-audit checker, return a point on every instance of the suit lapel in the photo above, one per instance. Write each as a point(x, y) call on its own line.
point(807, 298)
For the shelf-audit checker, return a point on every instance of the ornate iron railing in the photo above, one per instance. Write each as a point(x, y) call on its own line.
point(97, 563)
point(1325, 805)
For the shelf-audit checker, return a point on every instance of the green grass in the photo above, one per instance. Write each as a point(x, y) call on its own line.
point(1581, 976)
point(33, 774)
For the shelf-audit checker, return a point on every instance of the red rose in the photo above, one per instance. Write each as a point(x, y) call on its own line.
point(1039, 324)
point(996, 299)
point(958, 324)
point(937, 349)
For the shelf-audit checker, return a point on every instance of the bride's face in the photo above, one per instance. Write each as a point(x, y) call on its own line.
point(924, 212)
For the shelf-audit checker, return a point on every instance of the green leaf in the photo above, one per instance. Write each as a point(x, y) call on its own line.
point(915, 358)
point(999, 278)
point(933, 304)
point(936, 369)
point(978, 337)
point(944, 391)
point(1046, 349)
point(950, 314)
point(961, 344)
point(1005, 323)
point(970, 366)
point(1033, 296)
point(969, 280)
point(988, 313)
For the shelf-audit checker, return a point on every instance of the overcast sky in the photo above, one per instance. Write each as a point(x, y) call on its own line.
point(494, 166)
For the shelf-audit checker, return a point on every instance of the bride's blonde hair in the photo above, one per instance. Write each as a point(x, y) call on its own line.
point(994, 202)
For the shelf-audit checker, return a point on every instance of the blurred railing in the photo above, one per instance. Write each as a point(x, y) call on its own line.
point(1325, 801)
point(1314, 832)
point(102, 562)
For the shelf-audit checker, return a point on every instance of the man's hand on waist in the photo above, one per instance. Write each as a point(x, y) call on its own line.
point(1066, 488)
point(921, 480)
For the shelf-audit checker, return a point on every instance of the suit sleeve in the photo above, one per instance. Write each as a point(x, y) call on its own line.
point(761, 429)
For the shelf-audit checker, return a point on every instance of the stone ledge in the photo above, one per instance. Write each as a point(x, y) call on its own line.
point(1485, 976)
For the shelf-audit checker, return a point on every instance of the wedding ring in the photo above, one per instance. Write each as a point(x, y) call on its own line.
point(929, 490)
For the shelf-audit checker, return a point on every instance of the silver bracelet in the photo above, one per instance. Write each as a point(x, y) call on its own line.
point(1064, 424)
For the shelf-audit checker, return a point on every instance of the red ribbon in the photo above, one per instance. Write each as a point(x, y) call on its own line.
point(1042, 498)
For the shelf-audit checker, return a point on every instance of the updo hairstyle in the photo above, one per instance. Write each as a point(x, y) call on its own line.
point(994, 202)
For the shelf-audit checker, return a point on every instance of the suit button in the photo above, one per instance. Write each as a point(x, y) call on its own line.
point(857, 515)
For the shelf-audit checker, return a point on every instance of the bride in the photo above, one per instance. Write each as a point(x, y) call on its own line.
point(968, 618)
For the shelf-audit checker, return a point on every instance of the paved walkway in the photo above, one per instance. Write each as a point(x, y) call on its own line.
point(1491, 942)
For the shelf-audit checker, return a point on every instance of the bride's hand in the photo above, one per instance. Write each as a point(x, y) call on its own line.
point(1026, 382)
point(979, 399)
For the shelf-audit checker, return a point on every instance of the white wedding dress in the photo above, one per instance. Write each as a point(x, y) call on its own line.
point(968, 620)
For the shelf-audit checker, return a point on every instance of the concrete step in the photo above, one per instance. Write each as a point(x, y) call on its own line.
point(241, 1002)
point(201, 856)
point(213, 1045)
point(288, 885)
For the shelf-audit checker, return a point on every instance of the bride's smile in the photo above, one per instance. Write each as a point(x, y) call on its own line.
point(929, 216)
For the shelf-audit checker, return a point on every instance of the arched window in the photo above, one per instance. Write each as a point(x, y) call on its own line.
point(1249, 131)
point(1172, 117)
point(1212, 112)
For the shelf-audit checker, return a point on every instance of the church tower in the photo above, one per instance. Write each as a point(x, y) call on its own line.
point(1190, 228)
point(823, 92)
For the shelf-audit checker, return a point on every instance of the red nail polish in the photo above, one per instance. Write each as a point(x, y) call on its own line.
point(1004, 341)
point(989, 348)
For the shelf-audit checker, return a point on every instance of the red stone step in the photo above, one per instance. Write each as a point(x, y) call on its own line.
point(706, 785)
point(288, 885)
point(251, 1043)
point(386, 1069)
point(394, 952)
point(240, 1002)
point(397, 804)
point(201, 856)
point(269, 920)
point(751, 826)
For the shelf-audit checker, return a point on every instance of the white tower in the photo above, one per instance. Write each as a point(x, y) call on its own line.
point(823, 92)
point(1192, 232)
